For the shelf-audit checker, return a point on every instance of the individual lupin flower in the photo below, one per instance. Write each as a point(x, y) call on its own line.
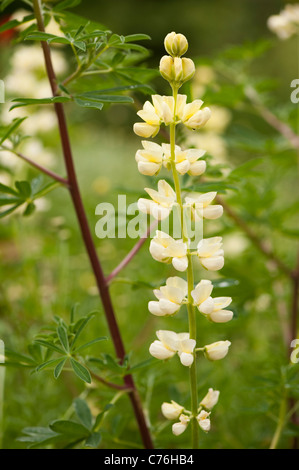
point(193, 117)
point(204, 421)
point(171, 343)
point(175, 70)
point(170, 297)
point(171, 410)
point(216, 351)
point(186, 161)
point(201, 206)
point(211, 399)
point(166, 347)
point(176, 44)
point(162, 201)
point(150, 158)
point(166, 249)
point(185, 349)
point(181, 426)
point(210, 253)
point(154, 114)
point(211, 308)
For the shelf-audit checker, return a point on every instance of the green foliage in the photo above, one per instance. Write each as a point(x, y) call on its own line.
point(25, 192)
point(67, 434)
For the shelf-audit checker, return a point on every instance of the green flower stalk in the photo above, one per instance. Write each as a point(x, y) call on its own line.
point(172, 111)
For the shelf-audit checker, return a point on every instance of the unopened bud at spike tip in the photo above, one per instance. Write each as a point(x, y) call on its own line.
point(176, 44)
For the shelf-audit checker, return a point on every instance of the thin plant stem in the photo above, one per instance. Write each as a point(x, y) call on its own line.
point(280, 423)
point(190, 281)
point(87, 237)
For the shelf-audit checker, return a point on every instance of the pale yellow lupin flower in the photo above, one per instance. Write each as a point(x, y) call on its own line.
point(210, 253)
point(166, 249)
point(169, 297)
point(211, 308)
point(162, 201)
point(171, 410)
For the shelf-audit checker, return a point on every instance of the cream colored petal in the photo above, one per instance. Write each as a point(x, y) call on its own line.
point(221, 316)
point(180, 264)
point(213, 212)
point(213, 264)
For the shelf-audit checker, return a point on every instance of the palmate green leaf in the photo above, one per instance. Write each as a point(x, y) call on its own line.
point(14, 23)
point(47, 364)
point(5, 200)
point(63, 338)
point(101, 415)
point(38, 436)
point(58, 369)
point(10, 210)
point(24, 189)
point(94, 98)
point(32, 101)
point(93, 440)
point(5, 4)
point(12, 128)
point(83, 412)
point(7, 189)
point(18, 359)
point(81, 371)
point(30, 208)
point(49, 345)
point(65, 4)
point(80, 325)
point(90, 343)
point(137, 37)
point(69, 428)
point(85, 103)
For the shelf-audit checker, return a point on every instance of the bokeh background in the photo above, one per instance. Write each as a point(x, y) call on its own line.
point(44, 269)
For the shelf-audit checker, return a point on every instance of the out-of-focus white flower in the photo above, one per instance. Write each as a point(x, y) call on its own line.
point(35, 149)
point(211, 399)
point(213, 143)
point(193, 117)
point(204, 75)
point(170, 297)
point(204, 421)
point(31, 59)
point(286, 23)
point(220, 118)
point(210, 253)
point(40, 122)
point(176, 44)
point(181, 426)
point(171, 410)
point(171, 343)
point(201, 208)
point(162, 201)
point(218, 350)
point(186, 161)
point(176, 70)
point(150, 158)
point(211, 308)
point(166, 249)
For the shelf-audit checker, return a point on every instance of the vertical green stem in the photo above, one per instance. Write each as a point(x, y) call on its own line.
point(190, 280)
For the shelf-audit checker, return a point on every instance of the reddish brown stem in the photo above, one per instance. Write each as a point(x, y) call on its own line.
point(87, 238)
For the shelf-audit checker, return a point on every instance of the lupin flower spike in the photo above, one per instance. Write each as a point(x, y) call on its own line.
point(172, 111)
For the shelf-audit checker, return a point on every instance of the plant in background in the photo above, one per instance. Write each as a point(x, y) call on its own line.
point(172, 111)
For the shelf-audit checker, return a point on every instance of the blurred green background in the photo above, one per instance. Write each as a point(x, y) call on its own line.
point(45, 271)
